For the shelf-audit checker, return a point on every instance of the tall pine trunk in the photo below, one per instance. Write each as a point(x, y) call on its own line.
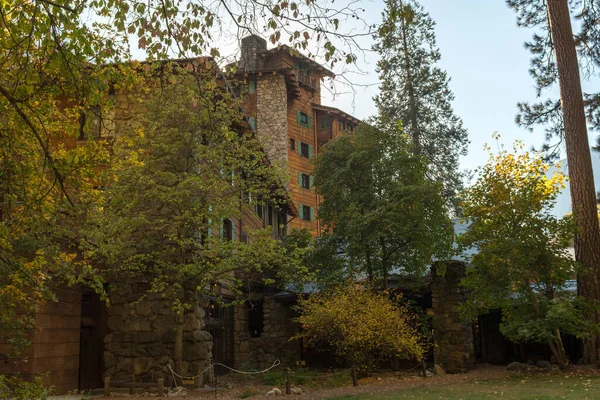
point(583, 198)
point(416, 135)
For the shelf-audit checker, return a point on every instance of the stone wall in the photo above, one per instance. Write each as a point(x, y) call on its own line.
point(274, 342)
point(271, 119)
point(453, 339)
point(142, 335)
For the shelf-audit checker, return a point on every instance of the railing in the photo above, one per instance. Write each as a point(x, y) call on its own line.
point(305, 78)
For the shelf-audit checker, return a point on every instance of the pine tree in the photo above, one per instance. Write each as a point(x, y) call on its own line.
point(415, 91)
point(555, 59)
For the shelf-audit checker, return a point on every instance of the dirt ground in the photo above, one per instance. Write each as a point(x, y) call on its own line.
point(235, 388)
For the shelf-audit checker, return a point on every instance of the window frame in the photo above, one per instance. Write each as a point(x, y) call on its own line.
point(305, 181)
point(306, 216)
point(304, 146)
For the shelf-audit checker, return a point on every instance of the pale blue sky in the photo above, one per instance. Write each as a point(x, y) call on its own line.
point(482, 51)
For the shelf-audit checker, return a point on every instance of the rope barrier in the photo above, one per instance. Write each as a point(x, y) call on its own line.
point(275, 364)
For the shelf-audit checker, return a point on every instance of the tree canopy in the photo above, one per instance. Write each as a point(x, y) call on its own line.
point(416, 91)
point(377, 204)
point(522, 263)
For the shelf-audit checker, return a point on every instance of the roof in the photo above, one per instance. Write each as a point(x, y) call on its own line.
point(335, 111)
point(297, 54)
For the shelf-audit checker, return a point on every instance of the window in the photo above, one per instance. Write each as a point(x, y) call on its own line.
point(325, 123)
point(228, 230)
point(303, 119)
point(342, 125)
point(304, 180)
point(292, 144)
point(245, 238)
point(90, 124)
point(351, 127)
point(251, 87)
point(260, 211)
point(256, 317)
point(305, 150)
point(307, 213)
point(252, 123)
point(270, 215)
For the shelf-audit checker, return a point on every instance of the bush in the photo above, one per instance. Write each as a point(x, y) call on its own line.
point(14, 388)
point(250, 392)
point(360, 326)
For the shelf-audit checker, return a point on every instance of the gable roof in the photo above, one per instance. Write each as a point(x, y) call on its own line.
point(297, 54)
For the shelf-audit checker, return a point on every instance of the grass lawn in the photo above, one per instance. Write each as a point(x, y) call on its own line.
point(536, 387)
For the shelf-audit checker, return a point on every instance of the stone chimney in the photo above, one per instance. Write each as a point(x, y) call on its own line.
point(251, 47)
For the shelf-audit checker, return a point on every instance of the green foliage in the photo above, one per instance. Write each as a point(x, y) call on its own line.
point(362, 327)
point(379, 207)
point(180, 170)
point(59, 61)
point(416, 91)
point(46, 190)
point(250, 392)
point(13, 387)
point(548, 112)
point(522, 262)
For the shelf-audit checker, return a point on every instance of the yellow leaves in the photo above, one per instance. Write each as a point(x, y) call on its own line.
point(359, 323)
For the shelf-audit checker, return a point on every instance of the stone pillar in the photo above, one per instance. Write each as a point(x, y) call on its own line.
point(454, 350)
point(249, 58)
point(272, 117)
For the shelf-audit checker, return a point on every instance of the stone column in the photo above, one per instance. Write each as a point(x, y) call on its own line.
point(454, 350)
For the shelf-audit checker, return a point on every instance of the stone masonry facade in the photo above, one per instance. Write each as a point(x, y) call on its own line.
point(142, 335)
point(454, 349)
point(271, 119)
point(274, 342)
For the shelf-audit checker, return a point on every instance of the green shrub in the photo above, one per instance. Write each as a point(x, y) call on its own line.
point(250, 392)
point(15, 388)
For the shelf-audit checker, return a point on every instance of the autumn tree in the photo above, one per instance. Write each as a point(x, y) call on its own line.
point(181, 171)
point(555, 59)
point(416, 91)
point(378, 205)
point(59, 60)
point(521, 264)
point(363, 328)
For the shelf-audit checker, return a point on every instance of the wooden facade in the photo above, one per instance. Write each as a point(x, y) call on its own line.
point(308, 124)
point(53, 353)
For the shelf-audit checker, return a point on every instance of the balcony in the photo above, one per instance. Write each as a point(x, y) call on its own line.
point(305, 78)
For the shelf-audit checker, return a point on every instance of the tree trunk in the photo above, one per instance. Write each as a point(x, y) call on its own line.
point(583, 198)
point(416, 135)
point(560, 359)
point(369, 265)
point(384, 262)
point(179, 348)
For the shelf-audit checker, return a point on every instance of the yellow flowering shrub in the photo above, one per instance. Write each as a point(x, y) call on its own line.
point(360, 326)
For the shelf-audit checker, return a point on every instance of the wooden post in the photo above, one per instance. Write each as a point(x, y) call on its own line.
point(353, 373)
point(132, 388)
point(288, 383)
point(107, 386)
point(161, 387)
point(423, 368)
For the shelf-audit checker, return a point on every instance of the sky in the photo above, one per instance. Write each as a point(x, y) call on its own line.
point(483, 54)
